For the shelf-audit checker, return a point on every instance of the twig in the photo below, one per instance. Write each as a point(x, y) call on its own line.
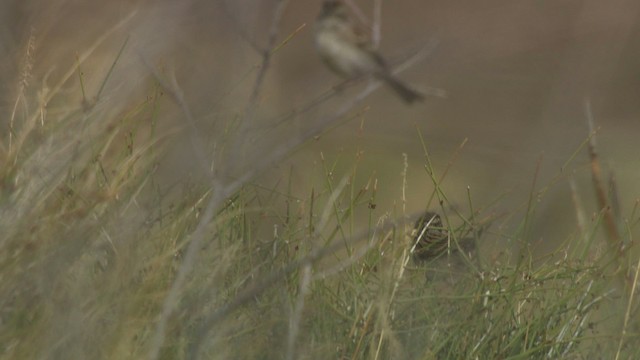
point(220, 193)
point(235, 23)
point(266, 57)
point(175, 92)
point(240, 137)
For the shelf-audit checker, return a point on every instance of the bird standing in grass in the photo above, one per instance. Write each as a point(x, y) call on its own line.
point(349, 54)
point(431, 238)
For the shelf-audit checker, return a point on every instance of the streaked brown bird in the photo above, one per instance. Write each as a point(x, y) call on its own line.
point(430, 237)
point(350, 54)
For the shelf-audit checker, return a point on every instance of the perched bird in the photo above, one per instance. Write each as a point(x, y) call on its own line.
point(349, 54)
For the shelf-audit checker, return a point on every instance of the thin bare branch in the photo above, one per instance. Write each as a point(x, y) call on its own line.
point(266, 59)
point(220, 193)
point(174, 90)
point(239, 28)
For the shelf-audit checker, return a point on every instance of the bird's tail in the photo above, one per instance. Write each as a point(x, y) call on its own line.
point(406, 93)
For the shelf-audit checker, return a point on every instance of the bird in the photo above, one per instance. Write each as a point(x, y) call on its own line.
point(350, 54)
point(430, 237)
point(432, 240)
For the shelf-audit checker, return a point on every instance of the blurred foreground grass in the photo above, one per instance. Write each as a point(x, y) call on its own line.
point(89, 250)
